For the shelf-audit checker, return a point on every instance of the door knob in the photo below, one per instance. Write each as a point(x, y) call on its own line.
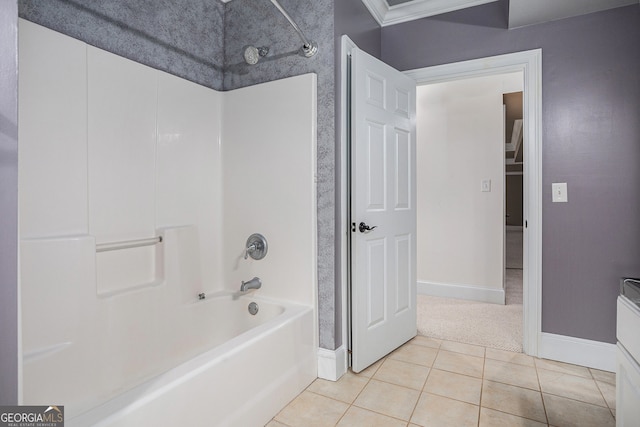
point(364, 227)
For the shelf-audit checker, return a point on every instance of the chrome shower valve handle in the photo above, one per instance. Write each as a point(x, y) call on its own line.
point(256, 247)
point(249, 250)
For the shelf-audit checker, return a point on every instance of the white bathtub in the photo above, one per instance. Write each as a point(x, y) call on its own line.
point(255, 366)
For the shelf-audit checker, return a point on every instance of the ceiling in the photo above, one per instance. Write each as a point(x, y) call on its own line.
point(521, 12)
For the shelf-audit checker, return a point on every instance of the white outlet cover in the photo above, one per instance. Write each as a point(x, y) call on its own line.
point(559, 192)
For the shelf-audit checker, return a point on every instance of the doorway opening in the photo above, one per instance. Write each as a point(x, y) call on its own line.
point(466, 293)
point(530, 64)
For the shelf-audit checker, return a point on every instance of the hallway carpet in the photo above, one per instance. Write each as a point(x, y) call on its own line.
point(490, 325)
point(514, 249)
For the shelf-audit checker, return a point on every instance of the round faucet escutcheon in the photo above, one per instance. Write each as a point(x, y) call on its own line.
point(256, 247)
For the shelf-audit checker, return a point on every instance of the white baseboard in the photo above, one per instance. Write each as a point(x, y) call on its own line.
point(472, 293)
point(332, 364)
point(578, 351)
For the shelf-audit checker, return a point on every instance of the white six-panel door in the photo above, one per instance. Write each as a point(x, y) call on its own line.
point(383, 179)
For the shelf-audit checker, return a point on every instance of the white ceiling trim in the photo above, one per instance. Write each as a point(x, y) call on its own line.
point(390, 15)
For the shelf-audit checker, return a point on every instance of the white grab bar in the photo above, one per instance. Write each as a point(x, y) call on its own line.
point(113, 246)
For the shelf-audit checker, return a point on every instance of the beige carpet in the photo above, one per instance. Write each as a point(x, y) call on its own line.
point(490, 325)
point(514, 249)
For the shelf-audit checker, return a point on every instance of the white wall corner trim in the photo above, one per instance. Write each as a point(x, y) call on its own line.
point(332, 364)
point(390, 15)
point(466, 292)
point(578, 351)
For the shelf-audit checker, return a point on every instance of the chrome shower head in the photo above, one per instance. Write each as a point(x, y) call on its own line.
point(253, 54)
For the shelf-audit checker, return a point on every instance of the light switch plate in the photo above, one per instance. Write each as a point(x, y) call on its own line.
point(559, 190)
point(485, 185)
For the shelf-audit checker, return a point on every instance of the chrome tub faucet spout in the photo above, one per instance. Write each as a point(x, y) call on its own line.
point(254, 283)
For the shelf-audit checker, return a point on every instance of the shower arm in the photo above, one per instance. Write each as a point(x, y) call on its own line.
point(308, 48)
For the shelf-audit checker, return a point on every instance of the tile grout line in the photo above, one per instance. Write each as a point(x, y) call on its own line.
point(512, 385)
point(349, 405)
point(544, 406)
point(360, 392)
point(408, 388)
point(357, 395)
point(484, 370)
point(606, 402)
point(422, 390)
point(479, 406)
point(577, 400)
point(515, 385)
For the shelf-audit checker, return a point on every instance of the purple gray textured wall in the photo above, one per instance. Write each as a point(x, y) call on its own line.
point(181, 37)
point(353, 19)
point(9, 203)
point(591, 141)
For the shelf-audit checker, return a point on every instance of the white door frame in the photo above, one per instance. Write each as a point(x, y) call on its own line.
point(346, 47)
point(530, 64)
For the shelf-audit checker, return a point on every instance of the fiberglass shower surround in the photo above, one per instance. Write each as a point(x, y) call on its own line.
point(309, 48)
point(111, 306)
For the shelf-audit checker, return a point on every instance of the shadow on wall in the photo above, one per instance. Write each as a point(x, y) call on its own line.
point(138, 33)
point(8, 128)
point(498, 18)
point(172, 37)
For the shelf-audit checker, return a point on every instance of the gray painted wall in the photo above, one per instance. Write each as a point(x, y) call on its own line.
point(181, 37)
point(591, 141)
point(8, 203)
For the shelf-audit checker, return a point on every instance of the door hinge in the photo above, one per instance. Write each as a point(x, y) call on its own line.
point(525, 224)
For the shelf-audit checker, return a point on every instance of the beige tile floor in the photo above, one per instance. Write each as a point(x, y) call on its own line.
point(429, 382)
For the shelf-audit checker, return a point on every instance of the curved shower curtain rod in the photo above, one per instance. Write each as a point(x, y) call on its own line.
point(309, 48)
